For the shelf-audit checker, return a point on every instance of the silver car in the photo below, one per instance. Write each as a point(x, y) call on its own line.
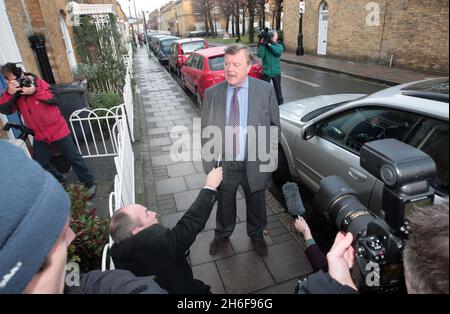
point(322, 135)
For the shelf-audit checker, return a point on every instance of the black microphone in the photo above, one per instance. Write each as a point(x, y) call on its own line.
point(293, 199)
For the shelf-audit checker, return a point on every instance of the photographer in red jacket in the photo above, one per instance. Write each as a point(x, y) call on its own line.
point(34, 100)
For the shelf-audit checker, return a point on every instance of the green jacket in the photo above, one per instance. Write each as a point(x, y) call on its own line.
point(270, 56)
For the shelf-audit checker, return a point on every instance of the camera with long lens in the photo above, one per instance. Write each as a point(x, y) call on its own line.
point(379, 242)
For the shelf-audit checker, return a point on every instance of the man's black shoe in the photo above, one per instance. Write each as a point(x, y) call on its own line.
point(216, 246)
point(261, 247)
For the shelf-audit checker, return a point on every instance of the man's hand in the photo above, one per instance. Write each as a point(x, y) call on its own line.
point(341, 258)
point(214, 178)
point(13, 87)
point(28, 90)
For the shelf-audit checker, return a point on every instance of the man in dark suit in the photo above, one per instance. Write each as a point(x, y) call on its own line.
point(243, 116)
point(146, 248)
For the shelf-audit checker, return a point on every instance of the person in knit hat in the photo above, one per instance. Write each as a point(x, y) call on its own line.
point(35, 234)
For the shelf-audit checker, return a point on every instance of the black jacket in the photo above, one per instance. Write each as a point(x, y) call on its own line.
point(114, 282)
point(322, 283)
point(160, 251)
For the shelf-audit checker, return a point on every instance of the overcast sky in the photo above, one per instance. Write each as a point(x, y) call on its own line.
point(146, 5)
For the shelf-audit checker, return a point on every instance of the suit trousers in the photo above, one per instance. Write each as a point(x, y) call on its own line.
point(235, 174)
point(276, 85)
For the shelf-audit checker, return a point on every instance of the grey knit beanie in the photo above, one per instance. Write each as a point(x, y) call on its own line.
point(33, 210)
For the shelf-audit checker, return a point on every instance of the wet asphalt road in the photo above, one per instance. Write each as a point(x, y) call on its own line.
point(300, 82)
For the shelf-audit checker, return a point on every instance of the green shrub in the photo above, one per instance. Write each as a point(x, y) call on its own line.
point(105, 100)
point(91, 231)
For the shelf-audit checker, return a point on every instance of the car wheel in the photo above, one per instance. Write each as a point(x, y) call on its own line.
point(199, 99)
point(281, 175)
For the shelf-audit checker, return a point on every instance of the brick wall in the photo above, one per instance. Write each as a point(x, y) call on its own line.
point(30, 17)
point(414, 33)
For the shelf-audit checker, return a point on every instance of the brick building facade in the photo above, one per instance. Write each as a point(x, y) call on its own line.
point(411, 34)
point(41, 17)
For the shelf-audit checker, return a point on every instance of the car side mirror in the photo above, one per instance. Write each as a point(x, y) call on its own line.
point(309, 132)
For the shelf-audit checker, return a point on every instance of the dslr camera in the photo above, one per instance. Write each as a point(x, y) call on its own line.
point(379, 239)
point(24, 82)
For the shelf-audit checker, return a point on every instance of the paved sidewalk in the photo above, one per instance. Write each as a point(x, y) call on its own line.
point(367, 71)
point(170, 187)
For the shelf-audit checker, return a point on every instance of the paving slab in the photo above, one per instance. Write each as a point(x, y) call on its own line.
point(181, 169)
point(209, 274)
point(169, 186)
point(244, 273)
point(185, 199)
point(286, 260)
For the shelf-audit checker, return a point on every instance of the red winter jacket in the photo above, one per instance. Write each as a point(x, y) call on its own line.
point(39, 111)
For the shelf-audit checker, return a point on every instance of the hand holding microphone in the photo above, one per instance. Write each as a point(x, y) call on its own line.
point(293, 199)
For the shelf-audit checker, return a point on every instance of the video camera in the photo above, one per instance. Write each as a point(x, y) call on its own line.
point(264, 35)
point(406, 172)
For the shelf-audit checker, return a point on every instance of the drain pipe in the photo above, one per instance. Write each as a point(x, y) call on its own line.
point(38, 45)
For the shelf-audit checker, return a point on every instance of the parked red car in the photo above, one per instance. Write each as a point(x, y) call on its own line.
point(181, 50)
point(205, 68)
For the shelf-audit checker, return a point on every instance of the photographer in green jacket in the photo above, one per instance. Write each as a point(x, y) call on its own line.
point(270, 51)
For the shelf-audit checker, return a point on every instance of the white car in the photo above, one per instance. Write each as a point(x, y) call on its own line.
point(322, 135)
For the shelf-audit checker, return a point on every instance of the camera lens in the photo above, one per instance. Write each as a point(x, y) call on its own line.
point(340, 205)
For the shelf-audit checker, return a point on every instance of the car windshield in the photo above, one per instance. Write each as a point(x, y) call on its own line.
point(439, 86)
point(192, 46)
point(315, 113)
point(216, 63)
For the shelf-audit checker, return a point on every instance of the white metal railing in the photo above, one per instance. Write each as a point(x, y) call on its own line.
point(93, 130)
point(128, 101)
point(109, 132)
point(124, 161)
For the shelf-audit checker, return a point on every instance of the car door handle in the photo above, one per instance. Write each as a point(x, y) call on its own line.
point(357, 175)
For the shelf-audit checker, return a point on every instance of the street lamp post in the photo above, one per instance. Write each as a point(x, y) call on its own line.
point(145, 33)
point(135, 14)
point(133, 38)
point(300, 51)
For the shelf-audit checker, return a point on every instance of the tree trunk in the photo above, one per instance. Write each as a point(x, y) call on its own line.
point(206, 24)
point(227, 24)
point(251, 14)
point(273, 19)
point(233, 25)
point(238, 19)
point(278, 16)
point(211, 24)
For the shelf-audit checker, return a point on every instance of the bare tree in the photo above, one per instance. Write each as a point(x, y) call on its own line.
point(226, 10)
point(244, 8)
point(279, 9)
point(251, 15)
point(205, 9)
point(237, 18)
point(262, 13)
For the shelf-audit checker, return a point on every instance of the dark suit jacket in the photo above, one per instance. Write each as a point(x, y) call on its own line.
point(160, 251)
point(262, 112)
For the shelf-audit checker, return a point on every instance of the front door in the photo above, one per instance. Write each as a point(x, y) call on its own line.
point(323, 29)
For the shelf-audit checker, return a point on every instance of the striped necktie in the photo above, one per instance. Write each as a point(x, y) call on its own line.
point(234, 120)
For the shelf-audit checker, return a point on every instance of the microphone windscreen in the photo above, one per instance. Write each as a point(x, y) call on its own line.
point(293, 199)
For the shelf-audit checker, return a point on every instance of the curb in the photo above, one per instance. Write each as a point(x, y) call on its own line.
point(365, 78)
